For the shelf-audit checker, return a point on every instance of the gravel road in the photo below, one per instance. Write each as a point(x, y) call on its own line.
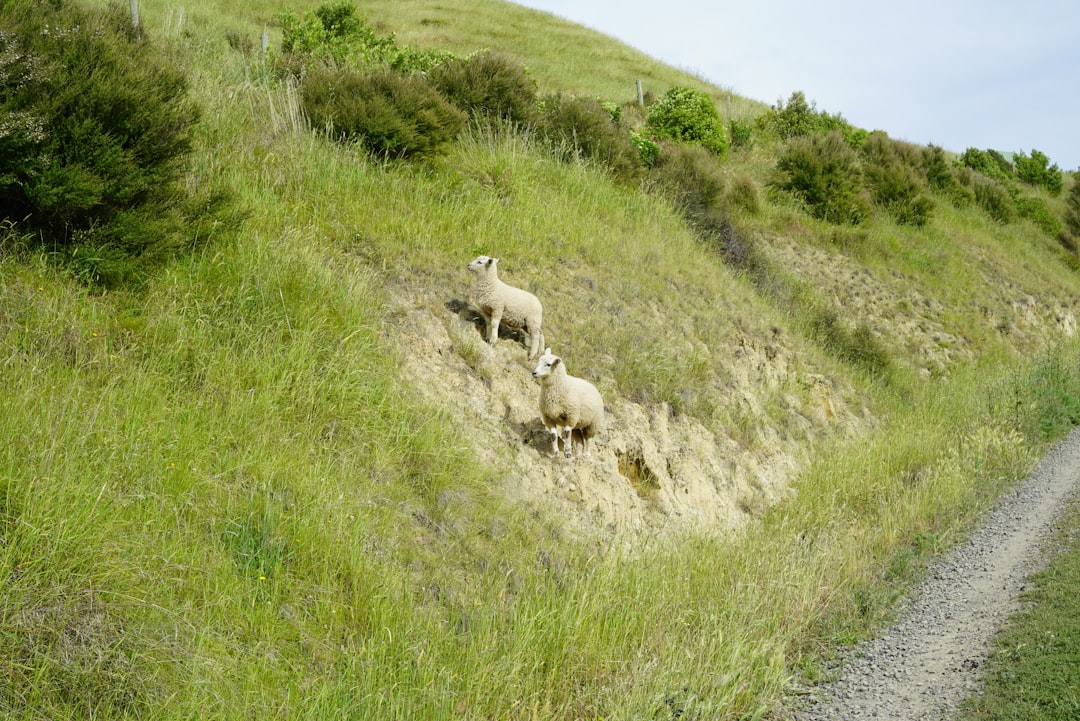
point(931, 659)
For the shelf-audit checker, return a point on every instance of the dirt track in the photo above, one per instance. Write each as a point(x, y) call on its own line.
point(932, 658)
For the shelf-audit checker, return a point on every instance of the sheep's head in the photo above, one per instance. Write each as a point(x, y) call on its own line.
point(482, 264)
point(547, 363)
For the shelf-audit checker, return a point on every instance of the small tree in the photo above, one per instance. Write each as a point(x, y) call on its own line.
point(823, 170)
point(488, 85)
point(393, 115)
point(688, 116)
point(1036, 170)
point(94, 133)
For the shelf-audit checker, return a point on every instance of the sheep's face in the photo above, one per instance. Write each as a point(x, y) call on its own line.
point(546, 364)
point(482, 263)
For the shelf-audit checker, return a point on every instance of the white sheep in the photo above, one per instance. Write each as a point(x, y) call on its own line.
point(504, 304)
point(567, 404)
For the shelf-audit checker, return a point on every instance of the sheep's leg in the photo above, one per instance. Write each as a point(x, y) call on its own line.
point(568, 444)
point(493, 326)
point(554, 441)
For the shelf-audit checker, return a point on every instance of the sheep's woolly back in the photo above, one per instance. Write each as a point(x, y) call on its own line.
point(567, 401)
point(503, 304)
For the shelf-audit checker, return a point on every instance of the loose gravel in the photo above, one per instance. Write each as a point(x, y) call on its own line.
point(925, 665)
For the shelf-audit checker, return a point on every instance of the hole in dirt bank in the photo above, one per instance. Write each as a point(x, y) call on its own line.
point(634, 468)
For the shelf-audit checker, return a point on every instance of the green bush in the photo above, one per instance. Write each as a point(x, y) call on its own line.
point(1036, 170)
point(993, 197)
point(990, 163)
point(690, 176)
point(1072, 209)
point(823, 171)
point(800, 118)
point(742, 134)
point(488, 85)
point(893, 173)
point(334, 35)
point(94, 135)
point(583, 127)
point(687, 116)
point(1034, 209)
point(942, 177)
point(391, 114)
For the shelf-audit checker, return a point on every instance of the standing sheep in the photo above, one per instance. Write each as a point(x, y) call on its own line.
point(504, 304)
point(567, 404)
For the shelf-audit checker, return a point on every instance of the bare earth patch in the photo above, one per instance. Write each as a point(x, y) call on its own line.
point(932, 658)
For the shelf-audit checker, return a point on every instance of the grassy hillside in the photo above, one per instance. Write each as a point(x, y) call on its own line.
point(286, 479)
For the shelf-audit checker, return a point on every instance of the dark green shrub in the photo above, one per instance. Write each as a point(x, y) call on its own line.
point(1034, 209)
point(1036, 170)
point(392, 115)
point(993, 197)
point(893, 173)
point(1072, 209)
point(823, 171)
point(583, 127)
point(690, 176)
point(990, 163)
point(942, 177)
point(687, 116)
point(95, 132)
point(488, 85)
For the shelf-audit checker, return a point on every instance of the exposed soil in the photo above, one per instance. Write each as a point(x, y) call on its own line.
point(932, 658)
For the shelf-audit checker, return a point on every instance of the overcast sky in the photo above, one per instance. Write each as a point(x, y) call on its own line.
point(955, 73)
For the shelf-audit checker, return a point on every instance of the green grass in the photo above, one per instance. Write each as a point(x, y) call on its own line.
point(218, 499)
point(1034, 670)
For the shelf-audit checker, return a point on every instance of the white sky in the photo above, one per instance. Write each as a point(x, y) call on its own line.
point(956, 73)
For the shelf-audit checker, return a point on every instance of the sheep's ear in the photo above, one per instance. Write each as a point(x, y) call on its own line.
point(493, 261)
point(556, 361)
point(547, 351)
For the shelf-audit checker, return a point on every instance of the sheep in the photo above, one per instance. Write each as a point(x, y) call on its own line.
point(504, 304)
point(567, 404)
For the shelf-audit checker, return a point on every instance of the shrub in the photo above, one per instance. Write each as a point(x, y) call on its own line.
point(1034, 209)
point(1036, 170)
point(893, 174)
point(333, 34)
point(1072, 209)
point(943, 179)
point(687, 116)
point(583, 127)
point(742, 134)
point(393, 115)
point(93, 139)
point(990, 163)
point(488, 85)
point(690, 176)
point(800, 118)
point(823, 171)
point(647, 149)
point(993, 197)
